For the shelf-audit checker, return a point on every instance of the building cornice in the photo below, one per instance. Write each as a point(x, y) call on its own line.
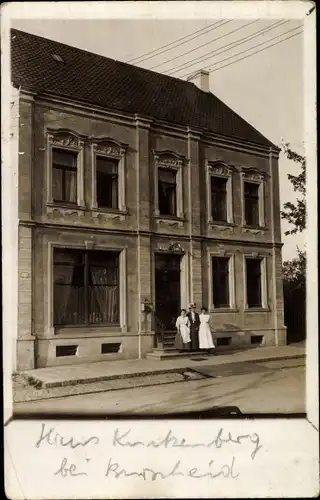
point(205, 136)
point(151, 234)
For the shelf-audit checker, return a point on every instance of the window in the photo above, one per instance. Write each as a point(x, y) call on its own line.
point(218, 199)
point(220, 281)
point(167, 192)
point(253, 272)
point(251, 203)
point(86, 287)
point(64, 176)
point(66, 350)
point(110, 348)
point(107, 182)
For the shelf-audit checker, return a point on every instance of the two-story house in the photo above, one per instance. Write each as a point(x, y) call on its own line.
point(138, 194)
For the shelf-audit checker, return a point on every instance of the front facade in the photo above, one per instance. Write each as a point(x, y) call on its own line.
point(125, 218)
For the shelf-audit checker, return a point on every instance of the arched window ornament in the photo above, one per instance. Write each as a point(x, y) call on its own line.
point(109, 147)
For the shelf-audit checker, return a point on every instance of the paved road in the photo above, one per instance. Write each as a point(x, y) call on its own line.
point(271, 387)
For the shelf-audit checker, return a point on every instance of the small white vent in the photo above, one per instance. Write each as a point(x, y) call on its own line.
point(57, 58)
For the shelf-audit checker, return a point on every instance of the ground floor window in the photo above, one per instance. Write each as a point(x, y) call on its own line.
point(86, 287)
point(253, 271)
point(220, 282)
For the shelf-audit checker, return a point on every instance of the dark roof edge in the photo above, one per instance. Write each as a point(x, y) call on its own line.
point(243, 142)
point(249, 124)
point(185, 82)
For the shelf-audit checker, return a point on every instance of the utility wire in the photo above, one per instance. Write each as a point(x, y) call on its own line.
point(222, 49)
point(140, 59)
point(253, 53)
point(203, 45)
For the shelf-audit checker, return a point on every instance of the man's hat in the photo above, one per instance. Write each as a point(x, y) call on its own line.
point(192, 305)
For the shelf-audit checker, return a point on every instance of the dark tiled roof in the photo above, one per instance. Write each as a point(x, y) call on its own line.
point(89, 77)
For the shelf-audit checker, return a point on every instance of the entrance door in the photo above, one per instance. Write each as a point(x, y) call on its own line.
point(167, 288)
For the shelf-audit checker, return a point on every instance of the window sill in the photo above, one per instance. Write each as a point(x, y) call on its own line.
point(254, 229)
point(257, 309)
point(170, 220)
point(86, 330)
point(65, 209)
point(221, 225)
point(109, 213)
point(224, 310)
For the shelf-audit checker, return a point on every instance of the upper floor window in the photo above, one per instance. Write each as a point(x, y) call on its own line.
point(251, 203)
point(108, 175)
point(219, 192)
point(167, 192)
point(219, 199)
point(65, 168)
point(253, 185)
point(64, 176)
point(168, 187)
point(107, 182)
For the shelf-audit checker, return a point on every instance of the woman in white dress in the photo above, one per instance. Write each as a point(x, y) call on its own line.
point(183, 341)
point(205, 336)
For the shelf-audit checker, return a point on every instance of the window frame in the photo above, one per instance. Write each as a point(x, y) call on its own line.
point(219, 169)
point(263, 284)
point(63, 168)
point(101, 207)
point(111, 150)
point(231, 280)
point(168, 160)
point(254, 176)
point(50, 329)
point(172, 185)
point(257, 198)
point(65, 140)
point(85, 265)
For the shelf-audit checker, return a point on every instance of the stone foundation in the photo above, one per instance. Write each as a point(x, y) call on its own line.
point(74, 350)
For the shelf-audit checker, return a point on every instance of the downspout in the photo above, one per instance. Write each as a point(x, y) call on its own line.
point(274, 274)
point(190, 267)
point(138, 237)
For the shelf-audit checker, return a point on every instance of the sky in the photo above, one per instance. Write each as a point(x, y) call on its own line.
point(266, 89)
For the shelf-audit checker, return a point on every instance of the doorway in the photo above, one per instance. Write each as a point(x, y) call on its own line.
point(167, 290)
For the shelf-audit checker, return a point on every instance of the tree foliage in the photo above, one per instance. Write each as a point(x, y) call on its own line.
point(295, 213)
point(294, 271)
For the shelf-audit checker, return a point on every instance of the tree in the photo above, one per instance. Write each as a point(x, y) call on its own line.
point(296, 213)
point(294, 271)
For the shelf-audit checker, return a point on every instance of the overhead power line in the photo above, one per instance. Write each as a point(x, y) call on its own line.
point(224, 48)
point(203, 45)
point(253, 53)
point(198, 33)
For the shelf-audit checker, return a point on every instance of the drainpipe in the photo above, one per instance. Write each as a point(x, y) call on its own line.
point(190, 267)
point(274, 276)
point(138, 236)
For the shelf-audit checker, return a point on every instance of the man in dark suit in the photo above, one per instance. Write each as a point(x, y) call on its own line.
point(194, 327)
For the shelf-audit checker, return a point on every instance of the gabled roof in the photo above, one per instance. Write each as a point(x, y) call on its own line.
point(87, 77)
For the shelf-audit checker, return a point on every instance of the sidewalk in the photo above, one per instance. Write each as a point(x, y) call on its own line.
point(59, 376)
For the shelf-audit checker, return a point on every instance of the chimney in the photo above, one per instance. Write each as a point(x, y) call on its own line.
point(200, 79)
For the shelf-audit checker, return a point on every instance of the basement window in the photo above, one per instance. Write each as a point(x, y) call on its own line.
point(66, 350)
point(57, 58)
point(256, 339)
point(222, 341)
point(110, 348)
